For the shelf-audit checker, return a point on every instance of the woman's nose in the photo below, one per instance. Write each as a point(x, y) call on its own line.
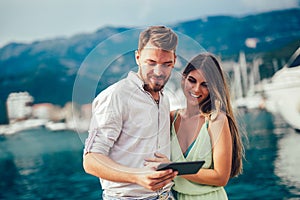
point(197, 88)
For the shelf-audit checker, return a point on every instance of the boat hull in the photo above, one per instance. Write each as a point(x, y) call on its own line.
point(283, 95)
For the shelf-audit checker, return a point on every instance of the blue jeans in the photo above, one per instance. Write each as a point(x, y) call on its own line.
point(163, 196)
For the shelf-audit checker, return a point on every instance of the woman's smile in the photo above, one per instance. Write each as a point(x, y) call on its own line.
point(195, 95)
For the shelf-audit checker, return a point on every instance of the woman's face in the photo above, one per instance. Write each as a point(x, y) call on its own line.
point(195, 87)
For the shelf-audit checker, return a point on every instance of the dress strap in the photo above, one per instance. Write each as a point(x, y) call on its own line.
point(206, 122)
point(175, 115)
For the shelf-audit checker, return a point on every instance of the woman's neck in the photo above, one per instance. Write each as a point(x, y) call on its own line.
point(191, 111)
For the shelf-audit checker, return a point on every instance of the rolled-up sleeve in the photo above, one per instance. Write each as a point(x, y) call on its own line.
point(106, 124)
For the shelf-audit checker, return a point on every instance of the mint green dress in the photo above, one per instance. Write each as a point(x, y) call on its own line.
point(200, 149)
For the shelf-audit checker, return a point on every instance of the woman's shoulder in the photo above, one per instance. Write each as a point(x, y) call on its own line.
point(217, 119)
point(174, 113)
point(217, 116)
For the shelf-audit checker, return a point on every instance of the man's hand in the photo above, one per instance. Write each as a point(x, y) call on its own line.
point(155, 180)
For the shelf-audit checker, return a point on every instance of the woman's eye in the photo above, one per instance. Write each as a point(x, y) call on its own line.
point(204, 84)
point(191, 80)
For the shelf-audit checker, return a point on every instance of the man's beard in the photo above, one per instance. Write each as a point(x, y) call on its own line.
point(153, 87)
point(156, 88)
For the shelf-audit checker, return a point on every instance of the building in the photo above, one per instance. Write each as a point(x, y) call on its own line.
point(19, 106)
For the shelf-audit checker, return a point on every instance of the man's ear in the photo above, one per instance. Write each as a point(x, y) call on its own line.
point(137, 57)
point(175, 57)
point(174, 60)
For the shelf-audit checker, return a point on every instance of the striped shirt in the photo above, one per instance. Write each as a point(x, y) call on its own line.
point(128, 126)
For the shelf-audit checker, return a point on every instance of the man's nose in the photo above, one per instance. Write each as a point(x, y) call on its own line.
point(157, 70)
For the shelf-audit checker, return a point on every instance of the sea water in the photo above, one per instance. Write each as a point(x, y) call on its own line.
point(40, 164)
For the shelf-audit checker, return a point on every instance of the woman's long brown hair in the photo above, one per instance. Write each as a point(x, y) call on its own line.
point(219, 92)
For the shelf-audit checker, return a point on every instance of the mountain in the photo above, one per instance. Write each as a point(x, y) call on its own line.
point(47, 69)
point(226, 35)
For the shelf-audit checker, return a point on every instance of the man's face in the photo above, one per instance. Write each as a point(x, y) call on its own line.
point(155, 66)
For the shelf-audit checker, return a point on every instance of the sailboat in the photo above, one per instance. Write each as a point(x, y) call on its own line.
point(245, 86)
point(283, 92)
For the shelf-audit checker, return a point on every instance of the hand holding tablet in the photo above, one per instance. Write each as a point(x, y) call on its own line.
point(183, 168)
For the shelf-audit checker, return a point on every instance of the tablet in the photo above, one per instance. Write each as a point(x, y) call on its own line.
point(183, 168)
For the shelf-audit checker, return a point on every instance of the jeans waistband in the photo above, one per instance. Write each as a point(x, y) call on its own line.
point(167, 195)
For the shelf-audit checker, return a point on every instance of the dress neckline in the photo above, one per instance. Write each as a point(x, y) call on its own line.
point(190, 147)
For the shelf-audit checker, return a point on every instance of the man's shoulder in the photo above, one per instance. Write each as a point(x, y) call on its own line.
point(119, 88)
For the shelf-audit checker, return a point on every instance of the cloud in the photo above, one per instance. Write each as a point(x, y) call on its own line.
point(37, 19)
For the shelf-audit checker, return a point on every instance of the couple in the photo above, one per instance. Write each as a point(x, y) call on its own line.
point(130, 128)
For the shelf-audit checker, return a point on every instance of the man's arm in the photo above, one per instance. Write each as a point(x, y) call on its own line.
point(103, 167)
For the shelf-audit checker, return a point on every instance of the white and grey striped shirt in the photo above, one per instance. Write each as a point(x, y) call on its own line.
point(128, 126)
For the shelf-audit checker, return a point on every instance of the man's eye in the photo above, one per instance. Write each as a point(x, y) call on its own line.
point(168, 65)
point(151, 63)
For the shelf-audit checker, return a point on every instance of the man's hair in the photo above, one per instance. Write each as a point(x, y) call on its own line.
point(159, 36)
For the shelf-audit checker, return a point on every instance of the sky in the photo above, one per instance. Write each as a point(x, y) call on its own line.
point(32, 20)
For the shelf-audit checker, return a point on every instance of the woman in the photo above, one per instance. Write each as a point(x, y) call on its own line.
point(205, 130)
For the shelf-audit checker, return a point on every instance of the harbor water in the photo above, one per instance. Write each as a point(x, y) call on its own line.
point(39, 164)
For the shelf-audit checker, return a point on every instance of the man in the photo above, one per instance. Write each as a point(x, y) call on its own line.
point(130, 122)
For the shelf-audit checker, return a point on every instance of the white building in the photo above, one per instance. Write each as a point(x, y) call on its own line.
point(19, 106)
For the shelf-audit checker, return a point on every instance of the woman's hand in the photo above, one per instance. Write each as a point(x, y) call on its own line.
point(154, 162)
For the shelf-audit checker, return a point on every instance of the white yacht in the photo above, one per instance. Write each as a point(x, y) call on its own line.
point(21, 126)
point(283, 92)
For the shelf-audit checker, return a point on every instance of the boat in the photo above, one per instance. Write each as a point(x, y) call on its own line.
point(56, 126)
point(282, 93)
point(21, 126)
point(245, 86)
